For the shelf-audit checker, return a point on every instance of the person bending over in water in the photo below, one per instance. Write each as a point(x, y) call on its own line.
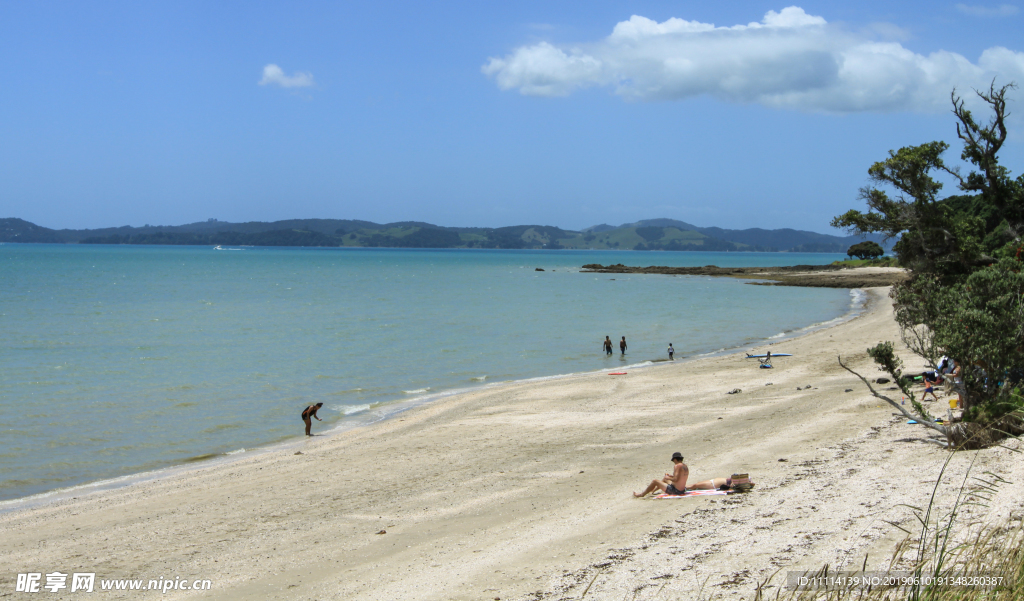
point(310, 412)
point(675, 483)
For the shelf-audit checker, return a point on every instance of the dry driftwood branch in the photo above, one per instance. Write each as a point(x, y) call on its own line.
point(923, 420)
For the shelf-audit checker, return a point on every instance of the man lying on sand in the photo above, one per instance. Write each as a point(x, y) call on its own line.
point(675, 483)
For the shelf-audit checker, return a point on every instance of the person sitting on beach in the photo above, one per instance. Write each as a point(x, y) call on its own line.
point(308, 413)
point(674, 483)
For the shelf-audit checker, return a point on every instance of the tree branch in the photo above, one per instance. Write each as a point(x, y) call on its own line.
point(924, 420)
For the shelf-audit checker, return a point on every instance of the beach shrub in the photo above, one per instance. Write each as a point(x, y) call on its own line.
point(965, 295)
point(885, 356)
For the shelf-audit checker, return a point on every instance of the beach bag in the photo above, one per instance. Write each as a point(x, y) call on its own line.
point(740, 482)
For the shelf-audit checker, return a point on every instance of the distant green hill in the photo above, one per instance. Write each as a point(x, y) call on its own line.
point(788, 240)
point(19, 230)
point(647, 237)
point(652, 234)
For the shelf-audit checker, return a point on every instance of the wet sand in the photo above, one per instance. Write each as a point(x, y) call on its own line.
point(524, 490)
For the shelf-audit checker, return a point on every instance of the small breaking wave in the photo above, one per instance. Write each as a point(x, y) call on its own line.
point(417, 391)
point(858, 297)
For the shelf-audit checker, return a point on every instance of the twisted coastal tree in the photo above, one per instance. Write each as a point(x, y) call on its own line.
point(965, 295)
point(865, 250)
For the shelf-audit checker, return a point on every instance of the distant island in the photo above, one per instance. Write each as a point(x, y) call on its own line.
point(651, 234)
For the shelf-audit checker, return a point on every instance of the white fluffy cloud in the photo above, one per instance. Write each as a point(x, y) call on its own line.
point(274, 76)
point(789, 59)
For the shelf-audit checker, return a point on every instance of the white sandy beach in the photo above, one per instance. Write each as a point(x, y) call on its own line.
point(523, 491)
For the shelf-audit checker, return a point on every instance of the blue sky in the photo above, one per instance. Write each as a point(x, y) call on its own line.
point(479, 114)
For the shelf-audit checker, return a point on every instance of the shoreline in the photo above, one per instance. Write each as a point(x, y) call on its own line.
point(805, 276)
point(523, 491)
point(395, 407)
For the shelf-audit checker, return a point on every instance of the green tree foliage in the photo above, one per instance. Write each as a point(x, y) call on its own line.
point(421, 238)
point(650, 233)
point(965, 296)
point(885, 356)
point(272, 238)
point(865, 250)
point(19, 230)
point(948, 237)
point(706, 244)
point(815, 247)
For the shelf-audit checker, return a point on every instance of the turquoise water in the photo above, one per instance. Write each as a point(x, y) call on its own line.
point(116, 359)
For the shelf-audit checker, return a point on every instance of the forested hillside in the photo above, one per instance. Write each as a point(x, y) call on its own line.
point(655, 234)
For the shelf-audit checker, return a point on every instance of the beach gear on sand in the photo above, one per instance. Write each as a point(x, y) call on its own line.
point(617, 373)
point(736, 483)
point(693, 493)
point(766, 359)
point(740, 483)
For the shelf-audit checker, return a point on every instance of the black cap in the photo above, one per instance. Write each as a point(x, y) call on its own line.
point(677, 455)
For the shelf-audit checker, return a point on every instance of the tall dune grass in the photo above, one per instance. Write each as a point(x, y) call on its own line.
point(940, 552)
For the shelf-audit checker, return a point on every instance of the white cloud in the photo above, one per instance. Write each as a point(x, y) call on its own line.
point(274, 76)
point(789, 59)
point(1003, 10)
point(544, 70)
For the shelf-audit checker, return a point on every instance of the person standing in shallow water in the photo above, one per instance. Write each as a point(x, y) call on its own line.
point(622, 345)
point(308, 413)
point(671, 352)
point(607, 345)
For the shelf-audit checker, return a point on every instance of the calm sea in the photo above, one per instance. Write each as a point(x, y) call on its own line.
point(122, 359)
